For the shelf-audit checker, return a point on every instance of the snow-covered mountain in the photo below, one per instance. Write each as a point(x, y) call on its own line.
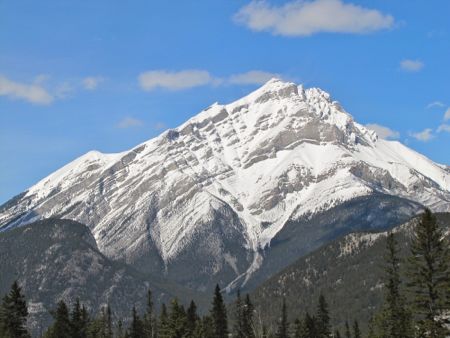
point(218, 189)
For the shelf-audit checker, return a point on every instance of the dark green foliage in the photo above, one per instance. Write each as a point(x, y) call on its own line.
point(247, 322)
point(79, 320)
point(219, 315)
point(282, 329)
point(356, 330)
point(429, 273)
point(13, 314)
point(347, 330)
point(148, 321)
point(238, 330)
point(337, 334)
point(137, 327)
point(163, 328)
point(177, 327)
point(192, 319)
point(61, 327)
point(394, 320)
point(323, 318)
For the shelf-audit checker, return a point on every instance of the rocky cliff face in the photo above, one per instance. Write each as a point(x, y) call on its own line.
point(203, 202)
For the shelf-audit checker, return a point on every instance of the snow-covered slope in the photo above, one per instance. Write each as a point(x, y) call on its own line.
point(222, 185)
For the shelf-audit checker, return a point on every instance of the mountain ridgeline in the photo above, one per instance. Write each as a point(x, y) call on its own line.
point(232, 197)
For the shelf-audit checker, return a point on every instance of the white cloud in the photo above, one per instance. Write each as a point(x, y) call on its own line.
point(304, 18)
point(444, 127)
point(411, 65)
point(129, 122)
point(92, 82)
point(424, 135)
point(384, 132)
point(174, 80)
point(447, 114)
point(435, 104)
point(33, 93)
point(186, 79)
point(252, 77)
point(159, 126)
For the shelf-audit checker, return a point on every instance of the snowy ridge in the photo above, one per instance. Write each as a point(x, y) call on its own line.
point(273, 156)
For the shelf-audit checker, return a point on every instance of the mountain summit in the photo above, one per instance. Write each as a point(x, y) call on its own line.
point(214, 199)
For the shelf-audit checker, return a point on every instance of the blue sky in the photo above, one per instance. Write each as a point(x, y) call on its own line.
point(107, 75)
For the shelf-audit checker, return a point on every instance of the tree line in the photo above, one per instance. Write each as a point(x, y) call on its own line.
point(416, 304)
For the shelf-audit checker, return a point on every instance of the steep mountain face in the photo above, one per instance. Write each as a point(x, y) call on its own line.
point(348, 271)
point(58, 259)
point(203, 202)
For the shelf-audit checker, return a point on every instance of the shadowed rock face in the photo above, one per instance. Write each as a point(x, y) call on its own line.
point(58, 259)
point(219, 188)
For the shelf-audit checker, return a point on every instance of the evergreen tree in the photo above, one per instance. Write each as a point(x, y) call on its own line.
point(394, 320)
point(310, 327)
point(323, 318)
point(219, 315)
point(177, 320)
point(429, 276)
point(79, 320)
point(108, 322)
point(137, 327)
point(347, 330)
point(337, 334)
point(239, 317)
point(356, 330)
point(13, 314)
point(282, 330)
point(148, 317)
point(163, 323)
point(120, 330)
point(247, 318)
point(62, 327)
point(192, 319)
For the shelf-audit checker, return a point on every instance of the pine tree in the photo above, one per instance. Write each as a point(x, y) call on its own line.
point(239, 317)
point(163, 323)
point(137, 327)
point(347, 330)
point(323, 318)
point(13, 314)
point(61, 328)
point(247, 318)
point(109, 326)
point(282, 330)
point(337, 334)
point(192, 319)
point(219, 315)
point(429, 276)
point(310, 326)
point(394, 320)
point(356, 330)
point(79, 320)
point(120, 331)
point(148, 317)
point(177, 320)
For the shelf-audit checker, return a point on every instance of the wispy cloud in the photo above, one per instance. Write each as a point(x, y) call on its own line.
point(304, 18)
point(186, 79)
point(424, 135)
point(92, 82)
point(252, 77)
point(174, 80)
point(444, 127)
point(129, 122)
point(435, 104)
point(384, 132)
point(447, 114)
point(412, 66)
point(34, 93)
point(159, 126)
